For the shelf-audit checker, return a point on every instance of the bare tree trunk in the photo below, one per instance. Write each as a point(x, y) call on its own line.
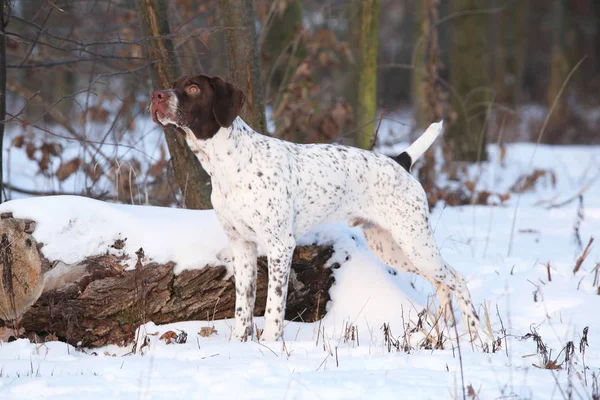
point(3, 23)
point(280, 56)
point(470, 80)
point(364, 36)
point(559, 64)
point(418, 66)
point(510, 52)
point(239, 19)
point(428, 98)
point(193, 181)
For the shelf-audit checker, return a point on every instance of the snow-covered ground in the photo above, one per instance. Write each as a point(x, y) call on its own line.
point(514, 287)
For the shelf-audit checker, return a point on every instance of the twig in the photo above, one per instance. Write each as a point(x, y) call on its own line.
point(583, 256)
point(377, 130)
point(33, 192)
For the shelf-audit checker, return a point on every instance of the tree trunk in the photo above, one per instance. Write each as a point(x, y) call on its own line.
point(193, 181)
point(559, 64)
point(510, 52)
point(280, 57)
point(243, 60)
point(470, 80)
point(418, 68)
point(96, 302)
point(3, 23)
point(428, 98)
point(364, 30)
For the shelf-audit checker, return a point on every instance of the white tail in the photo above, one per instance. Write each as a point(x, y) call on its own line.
point(424, 141)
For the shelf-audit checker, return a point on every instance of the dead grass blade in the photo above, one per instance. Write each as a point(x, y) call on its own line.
point(583, 256)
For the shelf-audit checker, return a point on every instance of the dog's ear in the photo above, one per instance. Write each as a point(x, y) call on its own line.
point(227, 103)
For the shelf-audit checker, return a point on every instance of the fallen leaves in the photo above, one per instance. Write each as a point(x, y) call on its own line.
point(170, 337)
point(207, 331)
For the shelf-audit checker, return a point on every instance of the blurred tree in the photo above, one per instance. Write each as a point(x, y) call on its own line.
point(193, 181)
point(281, 47)
point(559, 63)
point(3, 23)
point(428, 98)
point(418, 65)
point(363, 36)
point(510, 52)
point(239, 20)
point(469, 79)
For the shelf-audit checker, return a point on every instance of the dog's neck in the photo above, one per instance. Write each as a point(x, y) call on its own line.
point(228, 148)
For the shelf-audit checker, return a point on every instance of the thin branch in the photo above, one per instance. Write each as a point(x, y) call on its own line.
point(34, 192)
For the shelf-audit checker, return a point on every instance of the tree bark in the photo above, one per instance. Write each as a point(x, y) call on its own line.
point(97, 302)
point(193, 181)
point(239, 20)
point(3, 23)
point(364, 36)
point(470, 80)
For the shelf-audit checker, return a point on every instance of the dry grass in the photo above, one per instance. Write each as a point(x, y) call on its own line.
point(583, 256)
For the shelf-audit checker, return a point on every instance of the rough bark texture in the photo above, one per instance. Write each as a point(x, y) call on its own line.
point(3, 23)
point(470, 80)
point(193, 181)
point(364, 31)
point(242, 57)
point(96, 302)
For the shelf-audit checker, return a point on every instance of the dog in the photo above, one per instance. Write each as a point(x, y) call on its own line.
point(269, 192)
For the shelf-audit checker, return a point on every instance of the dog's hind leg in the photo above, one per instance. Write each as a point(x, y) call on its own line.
point(424, 262)
point(382, 244)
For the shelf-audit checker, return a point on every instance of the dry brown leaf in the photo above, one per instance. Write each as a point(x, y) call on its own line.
point(206, 331)
point(169, 336)
point(18, 141)
point(67, 169)
point(30, 150)
point(470, 185)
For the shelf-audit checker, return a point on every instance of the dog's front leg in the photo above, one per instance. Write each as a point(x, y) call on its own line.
point(244, 269)
point(280, 262)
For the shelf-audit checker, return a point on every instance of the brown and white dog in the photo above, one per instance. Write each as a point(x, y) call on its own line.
point(269, 192)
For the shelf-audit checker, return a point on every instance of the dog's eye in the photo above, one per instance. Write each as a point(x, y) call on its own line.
point(193, 89)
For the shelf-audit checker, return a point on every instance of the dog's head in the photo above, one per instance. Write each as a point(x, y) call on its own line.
point(198, 103)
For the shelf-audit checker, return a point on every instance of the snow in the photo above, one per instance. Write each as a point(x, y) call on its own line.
point(310, 365)
point(188, 238)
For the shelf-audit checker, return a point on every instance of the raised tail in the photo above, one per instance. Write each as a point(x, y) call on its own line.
point(408, 157)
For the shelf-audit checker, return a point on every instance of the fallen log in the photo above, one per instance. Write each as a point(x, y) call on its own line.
point(97, 301)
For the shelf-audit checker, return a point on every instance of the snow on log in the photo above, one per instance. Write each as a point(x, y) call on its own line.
point(101, 299)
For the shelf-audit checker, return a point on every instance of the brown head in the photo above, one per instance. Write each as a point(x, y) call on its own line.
point(200, 103)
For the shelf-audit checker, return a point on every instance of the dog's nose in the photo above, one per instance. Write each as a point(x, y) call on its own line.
point(159, 95)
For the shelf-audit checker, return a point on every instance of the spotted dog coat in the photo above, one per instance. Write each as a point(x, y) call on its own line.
point(269, 192)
